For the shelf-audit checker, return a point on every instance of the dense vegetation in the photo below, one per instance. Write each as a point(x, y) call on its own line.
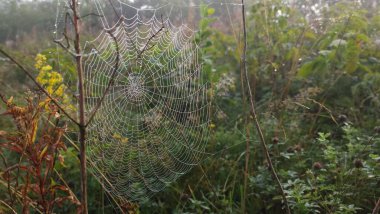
point(315, 77)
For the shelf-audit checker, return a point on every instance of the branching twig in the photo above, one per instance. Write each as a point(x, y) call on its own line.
point(65, 36)
point(66, 48)
point(253, 112)
point(110, 83)
point(145, 48)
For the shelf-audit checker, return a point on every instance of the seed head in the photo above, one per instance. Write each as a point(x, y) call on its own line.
point(317, 166)
point(275, 140)
point(358, 163)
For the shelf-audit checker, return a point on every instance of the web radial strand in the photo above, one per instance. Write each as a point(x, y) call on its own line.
point(152, 125)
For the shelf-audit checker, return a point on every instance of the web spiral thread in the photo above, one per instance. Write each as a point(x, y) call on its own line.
point(152, 125)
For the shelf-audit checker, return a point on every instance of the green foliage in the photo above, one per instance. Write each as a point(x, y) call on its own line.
point(318, 91)
point(316, 83)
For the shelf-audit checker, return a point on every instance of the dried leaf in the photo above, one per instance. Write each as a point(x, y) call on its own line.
point(59, 187)
point(43, 152)
point(61, 159)
point(10, 100)
point(34, 131)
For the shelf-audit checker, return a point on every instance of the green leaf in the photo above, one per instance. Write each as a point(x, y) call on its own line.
point(338, 42)
point(352, 57)
point(374, 157)
point(306, 69)
point(374, 60)
point(318, 66)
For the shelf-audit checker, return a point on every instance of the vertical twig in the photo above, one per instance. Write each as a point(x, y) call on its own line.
point(253, 111)
point(247, 142)
point(82, 120)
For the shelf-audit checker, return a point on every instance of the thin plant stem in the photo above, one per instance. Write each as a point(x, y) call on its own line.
point(254, 115)
point(247, 144)
point(81, 110)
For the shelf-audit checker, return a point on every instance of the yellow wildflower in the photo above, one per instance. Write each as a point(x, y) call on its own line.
point(50, 89)
point(60, 90)
point(46, 68)
point(40, 61)
point(52, 81)
point(43, 78)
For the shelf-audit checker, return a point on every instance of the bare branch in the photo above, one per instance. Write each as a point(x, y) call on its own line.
point(110, 83)
point(145, 48)
point(65, 37)
point(66, 48)
point(29, 74)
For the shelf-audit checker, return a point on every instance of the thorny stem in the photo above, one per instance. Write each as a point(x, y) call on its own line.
point(254, 115)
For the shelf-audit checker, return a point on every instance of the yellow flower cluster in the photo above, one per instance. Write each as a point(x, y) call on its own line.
point(40, 61)
point(51, 80)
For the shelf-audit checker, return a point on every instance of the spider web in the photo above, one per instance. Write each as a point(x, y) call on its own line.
point(153, 123)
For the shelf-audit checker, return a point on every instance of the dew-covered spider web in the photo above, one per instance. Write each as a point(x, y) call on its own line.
point(153, 123)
